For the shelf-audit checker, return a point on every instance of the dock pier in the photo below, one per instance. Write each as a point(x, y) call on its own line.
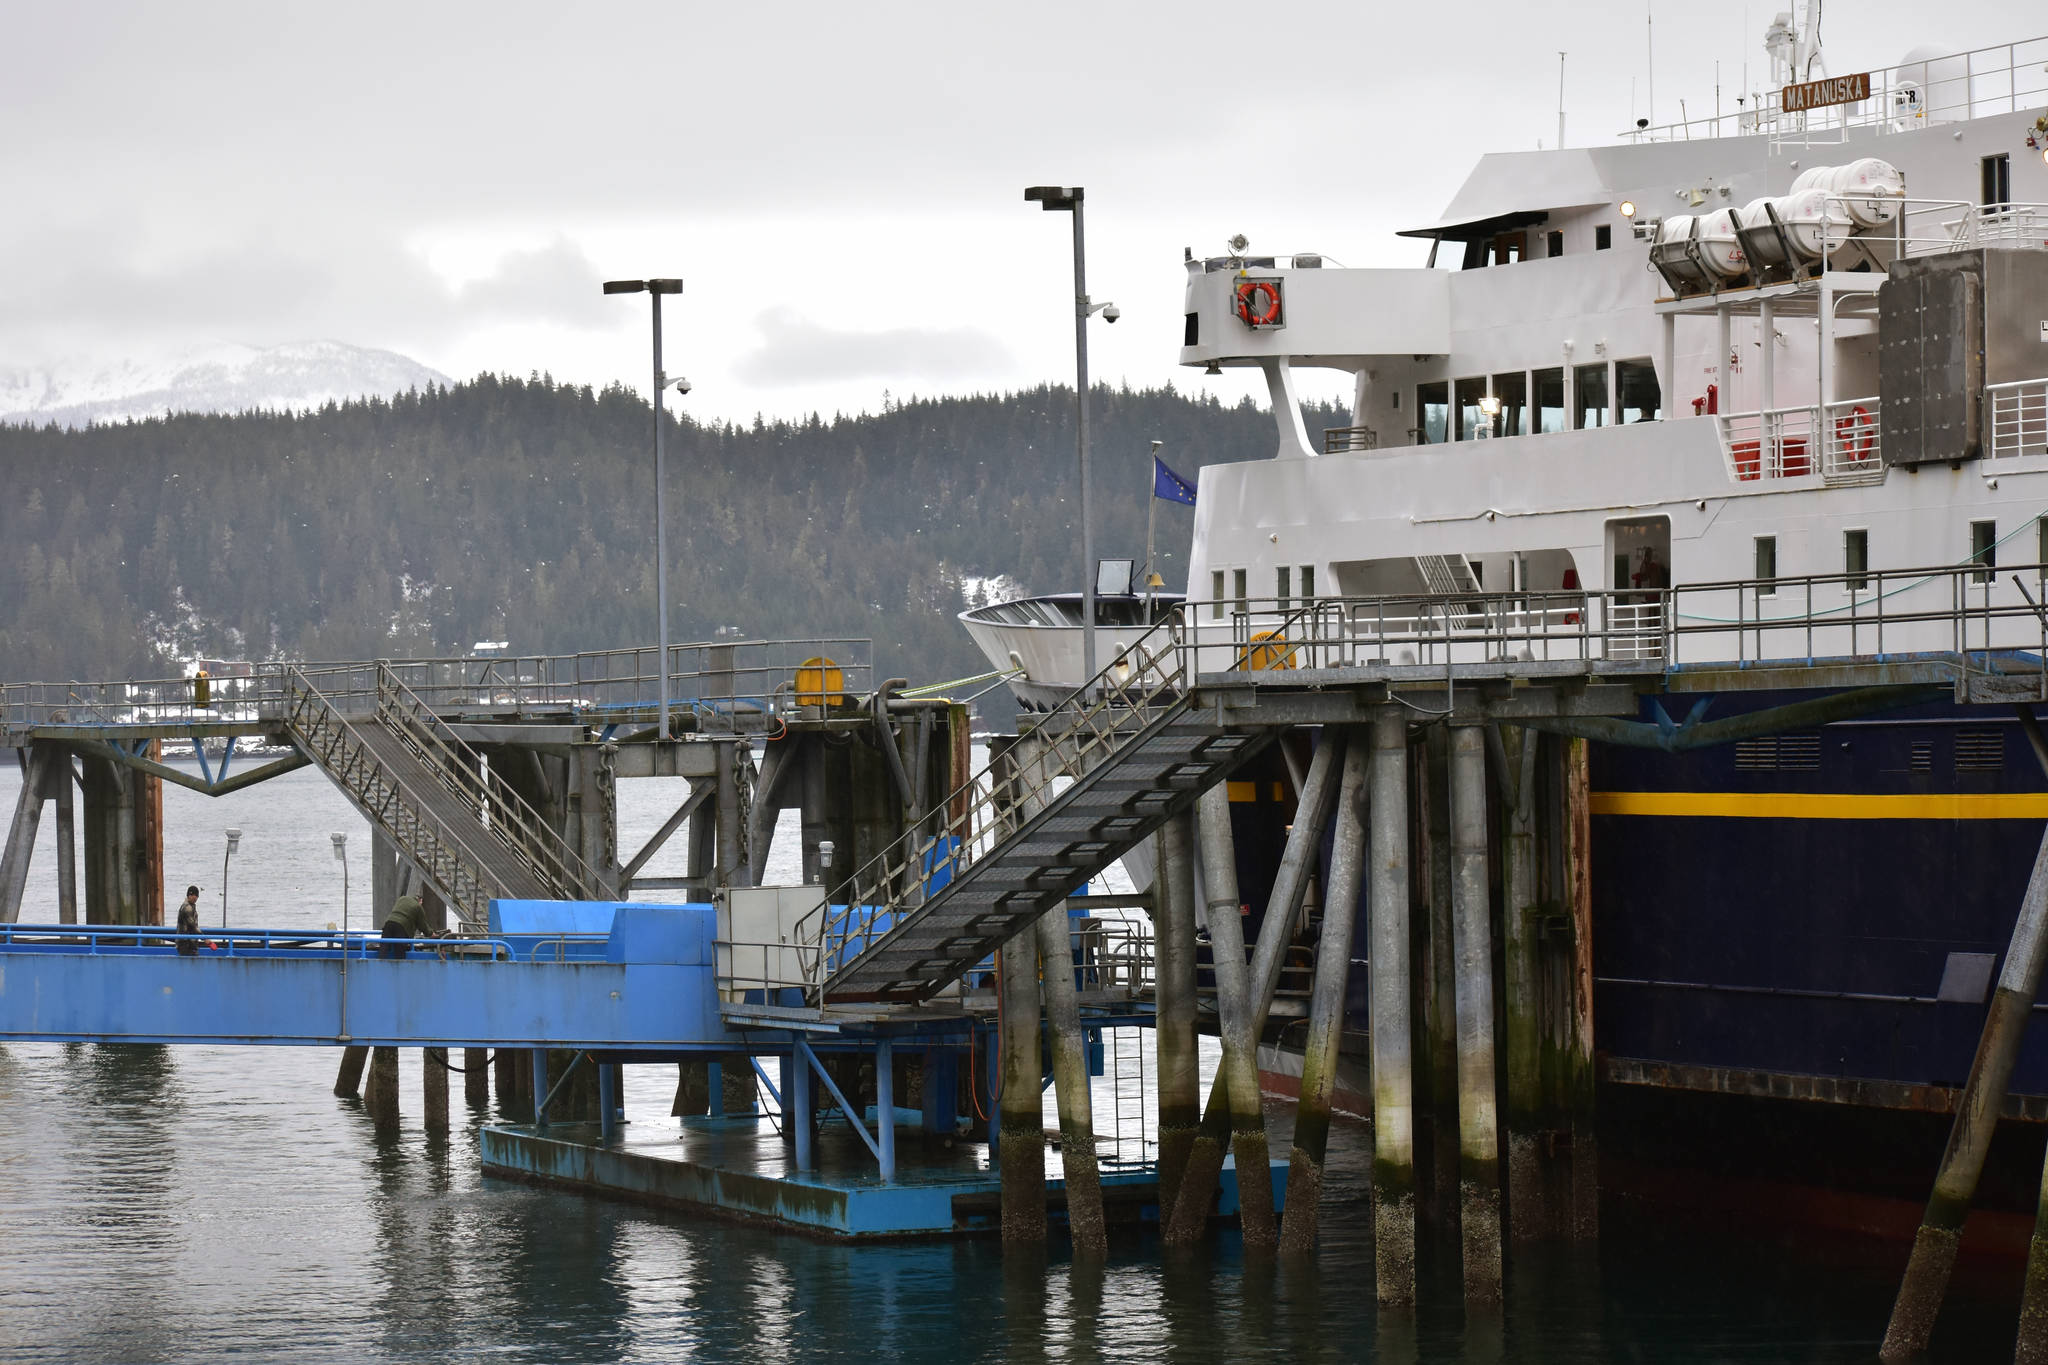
point(941, 962)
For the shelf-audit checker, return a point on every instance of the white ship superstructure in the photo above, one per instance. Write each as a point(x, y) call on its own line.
point(1767, 346)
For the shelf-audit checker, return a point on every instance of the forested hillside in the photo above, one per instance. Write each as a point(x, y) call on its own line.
point(522, 510)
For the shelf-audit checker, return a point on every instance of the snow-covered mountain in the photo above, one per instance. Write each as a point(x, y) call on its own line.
point(226, 378)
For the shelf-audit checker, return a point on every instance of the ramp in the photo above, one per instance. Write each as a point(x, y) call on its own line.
point(471, 836)
point(1131, 753)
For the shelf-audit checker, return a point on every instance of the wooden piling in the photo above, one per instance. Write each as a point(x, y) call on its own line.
point(2032, 1345)
point(380, 1095)
point(348, 1081)
point(1189, 1215)
point(1392, 1078)
point(1955, 1184)
point(1472, 950)
point(476, 1077)
point(1242, 1015)
point(1579, 1083)
point(1435, 984)
point(434, 1089)
point(693, 1090)
point(509, 1066)
point(1020, 1131)
point(1326, 1007)
point(1529, 1215)
point(1178, 1069)
point(1078, 1168)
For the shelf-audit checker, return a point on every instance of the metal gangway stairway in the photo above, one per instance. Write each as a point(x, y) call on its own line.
point(472, 837)
point(1099, 772)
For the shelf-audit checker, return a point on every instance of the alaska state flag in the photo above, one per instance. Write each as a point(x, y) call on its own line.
point(1169, 485)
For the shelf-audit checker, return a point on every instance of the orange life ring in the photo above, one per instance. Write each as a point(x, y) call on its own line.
point(1856, 419)
point(1255, 316)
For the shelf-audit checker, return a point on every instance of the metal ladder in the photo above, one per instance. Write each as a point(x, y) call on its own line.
point(1132, 752)
point(471, 836)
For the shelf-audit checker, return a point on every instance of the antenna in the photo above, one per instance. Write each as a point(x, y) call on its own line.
point(1560, 101)
point(1650, 59)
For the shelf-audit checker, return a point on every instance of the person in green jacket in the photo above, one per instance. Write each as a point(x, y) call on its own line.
point(408, 919)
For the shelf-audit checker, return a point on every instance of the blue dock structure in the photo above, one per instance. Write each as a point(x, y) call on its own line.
point(1406, 779)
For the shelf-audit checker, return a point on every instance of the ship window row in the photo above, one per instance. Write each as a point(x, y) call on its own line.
point(1856, 556)
point(1536, 402)
point(1286, 578)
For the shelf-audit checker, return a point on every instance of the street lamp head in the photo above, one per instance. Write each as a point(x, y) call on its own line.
point(234, 839)
point(340, 846)
point(1158, 446)
point(625, 286)
point(1055, 198)
point(664, 286)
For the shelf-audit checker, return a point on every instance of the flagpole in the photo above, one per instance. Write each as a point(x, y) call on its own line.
point(1151, 519)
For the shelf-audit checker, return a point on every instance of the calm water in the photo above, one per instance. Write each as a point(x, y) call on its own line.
point(190, 1204)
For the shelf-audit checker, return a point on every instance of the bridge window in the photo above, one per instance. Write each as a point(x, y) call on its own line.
point(1603, 237)
point(1191, 334)
point(1513, 392)
point(1308, 582)
point(2041, 545)
point(1283, 585)
point(1237, 581)
point(1635, 383)
point(1556, 242)
point(1856, 558)
point(1984, 550)
point(1766, 566)
point(1470, 417)
point(1549, 399)
point(1216, 594)
point(1432, 413)
point(1589, 391)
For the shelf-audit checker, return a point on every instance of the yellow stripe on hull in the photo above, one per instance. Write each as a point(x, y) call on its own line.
point(1825, 805)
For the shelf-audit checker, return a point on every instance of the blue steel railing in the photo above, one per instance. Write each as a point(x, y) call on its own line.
point(93, 939)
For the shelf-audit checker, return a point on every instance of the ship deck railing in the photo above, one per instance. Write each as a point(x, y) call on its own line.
point(1840, 441)
point(2016, 419)
point(727, 686)
point(1963, 613)
point(1980, 83)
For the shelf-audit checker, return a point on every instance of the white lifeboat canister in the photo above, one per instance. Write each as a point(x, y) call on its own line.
point(1812, 178)
point(1720, 249)
point(1669, 253)
point(1805, 218)
point(1869, 191)
point(1763, 237)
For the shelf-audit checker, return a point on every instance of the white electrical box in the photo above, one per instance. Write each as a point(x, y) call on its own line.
point(767, 938)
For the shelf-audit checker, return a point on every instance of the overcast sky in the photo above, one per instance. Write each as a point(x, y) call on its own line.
point(839, 185)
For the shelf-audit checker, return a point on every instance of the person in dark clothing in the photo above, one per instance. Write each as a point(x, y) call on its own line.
point(408, 919)
point(188, 923)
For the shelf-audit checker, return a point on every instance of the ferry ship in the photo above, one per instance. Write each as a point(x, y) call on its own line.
point(1782, 372)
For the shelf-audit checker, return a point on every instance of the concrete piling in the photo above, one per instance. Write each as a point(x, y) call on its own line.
point(1179, 1073)
point(380, 1095)
point(1393, 1087)
point(1529, 1216)
point(1326, 1008)
point(1955, 1184)
point(476, 1077)
point(348, 1081)
point(1472, 949)
point(1435, 983)
point(434, 1089)
point(1078, 1166)
point(2032, 1346)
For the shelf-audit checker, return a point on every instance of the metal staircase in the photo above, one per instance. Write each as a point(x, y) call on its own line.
point(1448, 574)
point(1097, 774)
point(471, 836)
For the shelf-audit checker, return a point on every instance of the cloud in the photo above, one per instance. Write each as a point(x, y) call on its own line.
point(795, 350)
point(264, 292)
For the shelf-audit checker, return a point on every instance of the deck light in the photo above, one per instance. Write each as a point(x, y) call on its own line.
point(1628, 208)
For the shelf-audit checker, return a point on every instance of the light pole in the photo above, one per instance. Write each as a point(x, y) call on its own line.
point(1068, 199)
point(234, 842)
point(657, 288)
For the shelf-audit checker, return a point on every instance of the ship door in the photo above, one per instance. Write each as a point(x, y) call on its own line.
point(1639, 570)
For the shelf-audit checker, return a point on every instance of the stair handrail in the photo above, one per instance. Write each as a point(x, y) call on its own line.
point(472, 911)
point(457, 765)
point(1100, 716)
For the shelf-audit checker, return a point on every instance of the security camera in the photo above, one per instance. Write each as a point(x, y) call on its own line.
point(1112, 313)
point(680, 384)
